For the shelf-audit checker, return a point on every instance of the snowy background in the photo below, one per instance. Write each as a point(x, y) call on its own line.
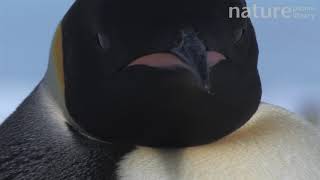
point(289, 52)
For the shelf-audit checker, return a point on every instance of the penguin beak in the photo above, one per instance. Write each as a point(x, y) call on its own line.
point(168, 61)
point(190, 54)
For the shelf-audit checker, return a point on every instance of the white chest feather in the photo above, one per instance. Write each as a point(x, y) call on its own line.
point(274, 145)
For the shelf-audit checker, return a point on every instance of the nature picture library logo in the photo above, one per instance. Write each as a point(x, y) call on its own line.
point(273, 12)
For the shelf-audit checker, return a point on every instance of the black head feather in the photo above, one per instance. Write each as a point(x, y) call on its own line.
point(158, 106)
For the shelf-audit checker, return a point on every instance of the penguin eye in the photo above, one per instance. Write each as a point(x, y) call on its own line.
point(238, 34)
point(103, 41)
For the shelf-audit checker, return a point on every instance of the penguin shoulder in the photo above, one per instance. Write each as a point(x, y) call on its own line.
point(274, 144)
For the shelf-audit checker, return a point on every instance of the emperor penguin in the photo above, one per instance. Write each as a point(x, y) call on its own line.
point(165, 90)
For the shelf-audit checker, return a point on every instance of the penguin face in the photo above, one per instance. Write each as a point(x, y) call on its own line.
point(199, 81)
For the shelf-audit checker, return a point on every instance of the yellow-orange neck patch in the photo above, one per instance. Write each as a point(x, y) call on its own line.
point(57, 55)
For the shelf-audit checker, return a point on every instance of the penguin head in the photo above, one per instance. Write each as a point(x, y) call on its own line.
point(165, 74)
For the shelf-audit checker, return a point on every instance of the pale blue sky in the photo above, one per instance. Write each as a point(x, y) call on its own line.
point(289, 60)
